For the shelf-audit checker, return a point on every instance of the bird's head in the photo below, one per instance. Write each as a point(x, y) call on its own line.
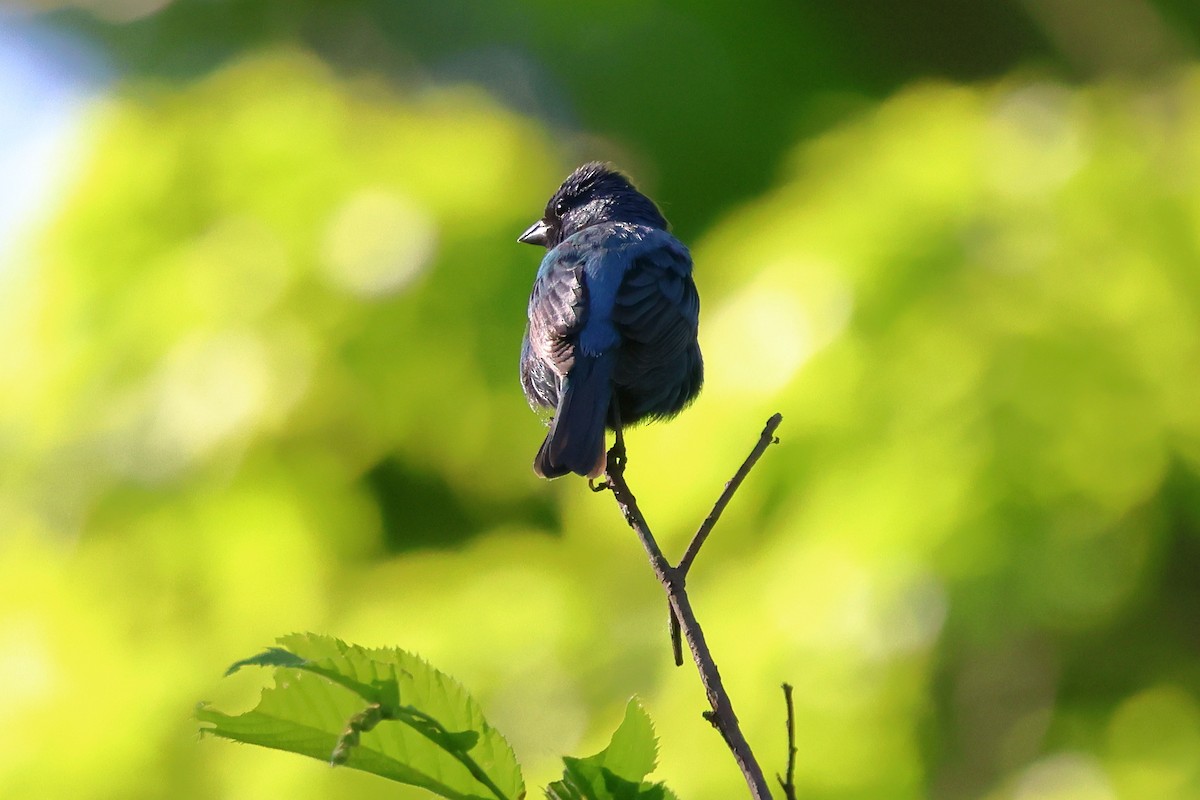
point(593, 193)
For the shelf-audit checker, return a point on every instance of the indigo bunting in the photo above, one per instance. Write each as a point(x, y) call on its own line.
point(613, 317)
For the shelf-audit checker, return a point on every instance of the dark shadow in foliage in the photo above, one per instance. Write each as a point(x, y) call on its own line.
point(420, 510)
point(1152, 640)
point(1180, 601)
point(1156, 638)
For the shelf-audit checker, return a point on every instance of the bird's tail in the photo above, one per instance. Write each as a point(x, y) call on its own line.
point(575, 442)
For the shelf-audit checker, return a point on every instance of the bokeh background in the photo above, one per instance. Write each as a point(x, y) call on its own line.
point(261, 304)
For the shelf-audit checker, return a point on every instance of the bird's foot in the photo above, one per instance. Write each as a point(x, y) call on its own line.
point(616, 456)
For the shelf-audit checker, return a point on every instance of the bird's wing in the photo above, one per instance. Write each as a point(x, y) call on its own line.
point(657, 308)
point(557, 309)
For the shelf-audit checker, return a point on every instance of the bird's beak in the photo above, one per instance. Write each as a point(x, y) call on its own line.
point(536, 234)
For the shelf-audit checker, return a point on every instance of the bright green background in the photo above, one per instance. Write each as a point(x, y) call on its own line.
point(262, 379)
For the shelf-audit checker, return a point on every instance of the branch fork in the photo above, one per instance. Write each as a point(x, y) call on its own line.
point(673, 578)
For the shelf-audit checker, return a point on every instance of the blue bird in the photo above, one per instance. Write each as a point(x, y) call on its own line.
point(613, 318)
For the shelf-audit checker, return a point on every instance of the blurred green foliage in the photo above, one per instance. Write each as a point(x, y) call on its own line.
point(263, 379)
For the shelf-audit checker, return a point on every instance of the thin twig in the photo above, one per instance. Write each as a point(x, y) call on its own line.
point(764, 441)
point(672, 580)
point(676, 636)
point(789, 785)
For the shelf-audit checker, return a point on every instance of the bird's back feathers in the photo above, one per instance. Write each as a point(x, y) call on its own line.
point(613, 319)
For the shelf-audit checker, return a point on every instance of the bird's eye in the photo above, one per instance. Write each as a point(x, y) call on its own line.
point(560, 208)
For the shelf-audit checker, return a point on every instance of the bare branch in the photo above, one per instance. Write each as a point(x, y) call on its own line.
point(683, 619)
point(764, 441)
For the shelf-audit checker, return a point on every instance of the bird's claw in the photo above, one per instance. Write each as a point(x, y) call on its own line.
point(597, 487)
point(616, 456)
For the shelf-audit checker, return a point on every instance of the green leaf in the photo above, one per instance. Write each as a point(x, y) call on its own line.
point(633, 751)
point(384, 711)
point(618, 771)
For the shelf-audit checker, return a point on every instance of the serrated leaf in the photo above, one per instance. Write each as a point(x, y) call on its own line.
point(618, 771)
point(429, 733)
point(633, 751)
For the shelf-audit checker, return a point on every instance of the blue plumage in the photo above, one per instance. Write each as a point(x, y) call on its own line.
point(613, 317)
